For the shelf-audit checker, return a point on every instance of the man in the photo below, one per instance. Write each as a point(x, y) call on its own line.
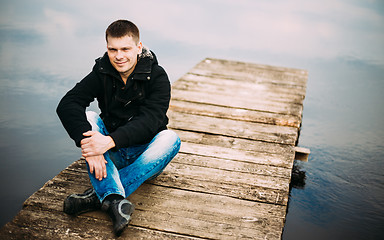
point(129, 142)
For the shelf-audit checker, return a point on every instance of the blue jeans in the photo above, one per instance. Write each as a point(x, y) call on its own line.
point(128, 168)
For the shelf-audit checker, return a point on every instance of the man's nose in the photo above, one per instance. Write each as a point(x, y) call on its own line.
point(119, 54)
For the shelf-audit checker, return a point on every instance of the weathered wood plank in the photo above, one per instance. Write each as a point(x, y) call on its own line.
point(239, 102)
point(234, 190)
point(252, 85)
point(247, 77)
point(252, 71)
point(234, 143)
point(220, 176)
point(227, 127)
point(255, 91)
point(240, 66)
point(232, 166)
point(270, 159)
point(260, 93)
point(235, 113)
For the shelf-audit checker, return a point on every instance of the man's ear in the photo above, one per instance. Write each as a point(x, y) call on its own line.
point(140, 47)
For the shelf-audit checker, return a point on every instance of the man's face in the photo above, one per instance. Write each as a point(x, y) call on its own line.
point(122, 53)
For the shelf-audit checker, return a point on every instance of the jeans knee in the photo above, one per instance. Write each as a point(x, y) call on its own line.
point(165, 145)
point(170, 137)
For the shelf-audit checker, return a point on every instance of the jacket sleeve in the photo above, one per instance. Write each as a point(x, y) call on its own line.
point(152, 114)
point(71, 109)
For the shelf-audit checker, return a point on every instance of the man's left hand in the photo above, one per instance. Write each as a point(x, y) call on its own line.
point(95, 144)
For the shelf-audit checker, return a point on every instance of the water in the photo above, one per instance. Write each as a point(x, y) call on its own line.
point(46, 47)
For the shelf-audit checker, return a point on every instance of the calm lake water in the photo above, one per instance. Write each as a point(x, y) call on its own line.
point(47, 46)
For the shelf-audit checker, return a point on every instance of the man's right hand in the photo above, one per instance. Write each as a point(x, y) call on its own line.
point(97, 166)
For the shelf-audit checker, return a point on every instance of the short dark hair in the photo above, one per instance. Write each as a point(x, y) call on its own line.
point(121, 28)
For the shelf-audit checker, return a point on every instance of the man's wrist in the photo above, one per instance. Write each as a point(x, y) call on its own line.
point(111, 143)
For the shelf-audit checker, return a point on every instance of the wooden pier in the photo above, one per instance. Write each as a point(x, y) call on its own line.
point(239, 123)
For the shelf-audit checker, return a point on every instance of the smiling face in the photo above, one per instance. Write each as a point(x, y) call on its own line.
point(122, 53)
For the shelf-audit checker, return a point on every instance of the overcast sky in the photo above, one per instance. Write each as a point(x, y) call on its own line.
point(65, 34)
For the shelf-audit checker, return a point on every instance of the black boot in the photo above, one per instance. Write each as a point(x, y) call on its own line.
point(78, 203)
point(120, 212)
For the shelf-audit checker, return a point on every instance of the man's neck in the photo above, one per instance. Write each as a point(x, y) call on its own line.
point(124, 76)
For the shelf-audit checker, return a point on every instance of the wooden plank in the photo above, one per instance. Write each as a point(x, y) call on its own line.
point(220, 176)
point(229, 86)
point(260, 92)
point(239, 102)
point(259, 69)
point(251, 71)
point(233, 166)
point(227, 127)
point(234, 143)
point(248, 77)
point(235, 114)
point(241, 191)
point(269, 159)
point(252, 85)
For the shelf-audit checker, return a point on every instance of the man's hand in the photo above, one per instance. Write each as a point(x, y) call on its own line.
point(97, 165)
point(95, 144)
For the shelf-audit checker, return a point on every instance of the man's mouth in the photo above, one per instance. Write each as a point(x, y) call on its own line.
point(121, 63)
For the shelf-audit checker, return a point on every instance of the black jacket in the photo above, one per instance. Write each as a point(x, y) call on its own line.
point(133, 113)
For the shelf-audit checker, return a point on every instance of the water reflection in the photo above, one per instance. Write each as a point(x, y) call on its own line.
point(298, 177)
point(46, 47)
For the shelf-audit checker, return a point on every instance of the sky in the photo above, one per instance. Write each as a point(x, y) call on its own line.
point(71, 30)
